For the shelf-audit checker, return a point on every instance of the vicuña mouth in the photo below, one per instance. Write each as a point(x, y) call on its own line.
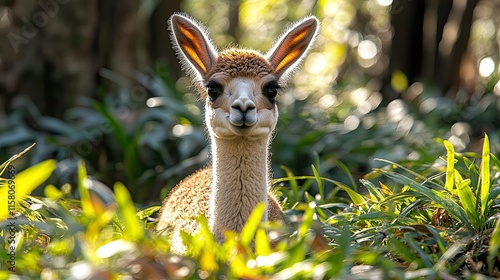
point(242, 126)
point(242, 123)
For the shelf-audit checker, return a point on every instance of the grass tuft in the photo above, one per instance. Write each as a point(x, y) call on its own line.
point(403, 221)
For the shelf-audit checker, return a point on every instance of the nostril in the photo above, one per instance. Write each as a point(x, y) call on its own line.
point(243, 107)
point(238, 107)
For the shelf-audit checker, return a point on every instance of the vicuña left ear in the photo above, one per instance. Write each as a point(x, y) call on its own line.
point(194, 48)
point(293, 45)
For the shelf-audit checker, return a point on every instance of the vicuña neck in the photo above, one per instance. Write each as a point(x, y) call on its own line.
point(240, 179)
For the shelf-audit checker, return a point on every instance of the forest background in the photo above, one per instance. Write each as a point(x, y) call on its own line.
point(99, 81)
point(381, 156)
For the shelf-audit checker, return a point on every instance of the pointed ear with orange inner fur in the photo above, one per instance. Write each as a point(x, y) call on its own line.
point(293, 45)
point(192, 45)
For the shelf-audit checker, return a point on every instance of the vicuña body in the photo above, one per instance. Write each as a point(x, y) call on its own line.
point(239, 88)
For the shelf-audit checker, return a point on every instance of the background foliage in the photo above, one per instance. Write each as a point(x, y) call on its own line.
point(99, 82)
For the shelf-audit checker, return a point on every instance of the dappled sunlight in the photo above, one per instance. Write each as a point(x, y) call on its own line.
point(486, 67)
point(385, 152)
point(351, 84)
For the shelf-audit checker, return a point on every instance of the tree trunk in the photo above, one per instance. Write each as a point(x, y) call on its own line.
point(48, 55)
point(55, 48)
point(406, 51)
point(453, 42)
point(430, 40)
point(160, 36)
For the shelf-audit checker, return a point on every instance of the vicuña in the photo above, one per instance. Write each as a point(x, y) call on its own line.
point(239, 88)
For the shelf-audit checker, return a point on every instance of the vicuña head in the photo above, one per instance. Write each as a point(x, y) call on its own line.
point(239, 87)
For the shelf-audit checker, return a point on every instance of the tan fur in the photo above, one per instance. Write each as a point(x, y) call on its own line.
point(194, 193)
point(240, 121)
point(241, 62)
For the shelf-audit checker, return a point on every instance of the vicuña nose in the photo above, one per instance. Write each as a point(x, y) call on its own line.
point(243, 104)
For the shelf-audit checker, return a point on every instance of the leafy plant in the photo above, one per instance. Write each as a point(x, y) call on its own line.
point(438, 225)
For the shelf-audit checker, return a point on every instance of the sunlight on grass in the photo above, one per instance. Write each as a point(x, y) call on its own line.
point(409, 226)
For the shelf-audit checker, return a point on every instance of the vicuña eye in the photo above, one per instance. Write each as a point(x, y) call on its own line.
point(271, 90)
point(214, 90)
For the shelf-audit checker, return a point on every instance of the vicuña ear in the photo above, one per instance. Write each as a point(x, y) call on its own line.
point(293, 45)
point(192, 44)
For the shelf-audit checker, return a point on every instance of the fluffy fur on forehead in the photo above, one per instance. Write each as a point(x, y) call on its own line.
point(241, 62)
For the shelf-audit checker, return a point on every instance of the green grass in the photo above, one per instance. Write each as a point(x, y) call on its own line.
point(432, 221)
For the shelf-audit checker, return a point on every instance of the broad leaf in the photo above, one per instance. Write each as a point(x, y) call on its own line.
point(18, 186)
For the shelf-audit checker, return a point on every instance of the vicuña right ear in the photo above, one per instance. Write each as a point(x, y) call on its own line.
point(293, 45)
point(192, 44)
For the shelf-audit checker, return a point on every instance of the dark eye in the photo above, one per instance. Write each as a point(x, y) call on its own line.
point(270, 90)
point(214, 90)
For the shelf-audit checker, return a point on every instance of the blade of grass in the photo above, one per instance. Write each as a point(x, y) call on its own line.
point(262, 243)
point(450, 166)
point(450, 253)
point(22, 184)
point(87, 207)
point(494, 248)
point(448, 204)
point(307, 220)
point(13, 158)
point(321, 187)
point(468, 201)
point(248, 231)
point(374, 192)
point(348, 173)
point(423, 257)
point(485, 175)
point(402, 251)
point(356, 198)
point(117, 128)
point(133, 226)
point(293, 182)
point(417, 203)
point(413, 173)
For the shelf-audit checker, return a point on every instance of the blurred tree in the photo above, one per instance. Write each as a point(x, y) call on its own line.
point(54, 48)
point(430, 41)
point(160, 41)
point(47, 55)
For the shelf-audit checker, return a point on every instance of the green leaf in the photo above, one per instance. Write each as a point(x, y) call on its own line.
point(248, 231)
point(485, 175)
point(401, 250)
point(4, 165)
point(22, 184)
point(348, 173)
point(293, 183)
point(374, 192)
point(117, 128)
point(423, 257)
point(448, 204)
point(132, 163)
point(450, 166)
point(307, 220)
point(321, 187)
point(356, 198)
point(83, 188)
point(52, 192)
point(468, 201)
point(262, 244)
point(133, 226)
point(447, 257)
point(494, 248)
